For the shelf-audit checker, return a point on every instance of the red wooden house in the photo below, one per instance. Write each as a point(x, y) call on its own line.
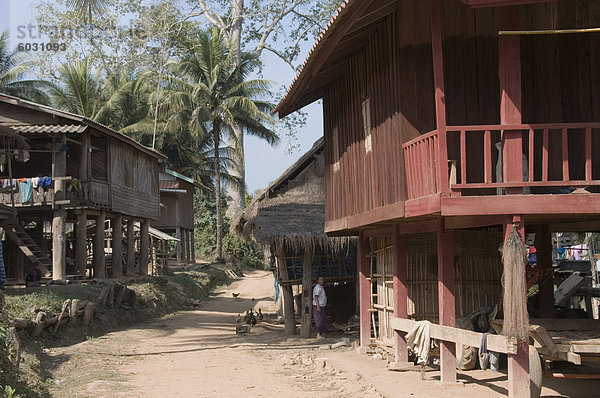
point(447, 124)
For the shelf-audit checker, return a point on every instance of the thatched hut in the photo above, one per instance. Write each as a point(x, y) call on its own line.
point(288, 217)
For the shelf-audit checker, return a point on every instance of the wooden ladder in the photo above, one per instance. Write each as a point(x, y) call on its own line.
point(27, 244)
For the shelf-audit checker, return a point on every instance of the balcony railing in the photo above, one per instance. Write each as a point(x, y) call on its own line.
point(503, 159)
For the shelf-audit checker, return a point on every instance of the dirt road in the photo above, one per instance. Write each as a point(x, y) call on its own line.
point(198, 354)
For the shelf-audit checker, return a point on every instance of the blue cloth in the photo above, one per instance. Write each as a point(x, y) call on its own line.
point(276, 284)
point(45, 182)
point(2, 271)
point(25, 191)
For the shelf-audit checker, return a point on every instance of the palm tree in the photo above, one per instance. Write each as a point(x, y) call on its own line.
point(79, 90)
point(117, 101)
point(13, 69)
point(209, 93)
point(86, 8)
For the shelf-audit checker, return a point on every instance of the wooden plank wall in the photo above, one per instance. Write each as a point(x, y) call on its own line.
point(396, 55)
point(559, 77)
point(134, 182)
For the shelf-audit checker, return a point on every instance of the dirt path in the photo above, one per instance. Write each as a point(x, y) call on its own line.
point(198, 354)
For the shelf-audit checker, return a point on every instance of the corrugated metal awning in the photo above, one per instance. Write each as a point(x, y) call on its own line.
point(168, 184)
point(50, 128)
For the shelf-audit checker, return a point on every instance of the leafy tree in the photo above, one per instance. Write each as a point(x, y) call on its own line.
point(277, 26)
point(209, 93)
point(13, 68)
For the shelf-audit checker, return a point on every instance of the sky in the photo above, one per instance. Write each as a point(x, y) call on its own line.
point(263, 163)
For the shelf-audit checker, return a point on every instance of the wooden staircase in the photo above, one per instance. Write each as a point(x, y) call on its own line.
point(27, 244)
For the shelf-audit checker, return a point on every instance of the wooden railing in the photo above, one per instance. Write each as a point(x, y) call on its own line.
point(420, 161)
point(504, 159)
point(39, 196)
point(97, 192)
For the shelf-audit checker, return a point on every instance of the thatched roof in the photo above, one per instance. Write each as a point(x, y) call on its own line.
point(291, 210)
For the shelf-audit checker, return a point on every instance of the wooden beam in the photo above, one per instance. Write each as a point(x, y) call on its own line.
point(529, 204)
point(445, 249)
point(117, 246)
point(307, 285)
point(400, 275)
point(179, 248)
point(99, 266)
point(423, 206)
point(130, 247)
point(496, 343)
point(364, 262)
point(465, 222)
point(518, 364)
point(144, 246)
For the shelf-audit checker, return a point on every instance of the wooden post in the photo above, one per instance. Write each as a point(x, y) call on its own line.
point(287, 294)
point(83, 163)
point(59, 265)
point(518, 364)
point(509, 73)
point(400, 294)
point(192, 246)
point(440, 93)
point(307, 282)
point(179, 245)
point(117, 246)
point(445, 248)
point(144, 246)
point(130, 247)
point(99, 265)
point(188, 254)
point(81, 243)
point(365, 290)
point(543, 246)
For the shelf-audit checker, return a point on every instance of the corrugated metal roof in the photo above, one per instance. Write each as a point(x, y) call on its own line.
point(51, 128)
point(168, 184)
point(197, 184)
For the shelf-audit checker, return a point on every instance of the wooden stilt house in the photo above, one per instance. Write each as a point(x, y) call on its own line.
point(177, 211)
point(448, 125)
point(76, 173)
point(288, 217)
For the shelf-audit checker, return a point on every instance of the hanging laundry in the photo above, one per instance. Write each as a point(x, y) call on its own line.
point(25, 191)
point(45, 182)
point(34, 182)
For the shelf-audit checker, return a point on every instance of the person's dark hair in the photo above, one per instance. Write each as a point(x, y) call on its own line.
point(36, 264)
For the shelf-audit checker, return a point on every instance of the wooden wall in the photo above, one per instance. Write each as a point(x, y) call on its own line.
point(178, 210)
point(134, 181)
point(394, 71)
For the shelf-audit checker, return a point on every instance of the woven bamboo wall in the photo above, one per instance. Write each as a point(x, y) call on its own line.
point(478, 270)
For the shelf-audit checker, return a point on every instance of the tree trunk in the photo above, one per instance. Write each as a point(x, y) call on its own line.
point(236, 193)
point(216, 140)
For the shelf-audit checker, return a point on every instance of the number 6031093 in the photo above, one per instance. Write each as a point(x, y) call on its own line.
point(42, 46)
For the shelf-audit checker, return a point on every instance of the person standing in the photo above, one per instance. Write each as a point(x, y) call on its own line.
point(319, 303)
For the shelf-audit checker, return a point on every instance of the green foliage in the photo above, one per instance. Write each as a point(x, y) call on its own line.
point(14, 66)
point(243, 253)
